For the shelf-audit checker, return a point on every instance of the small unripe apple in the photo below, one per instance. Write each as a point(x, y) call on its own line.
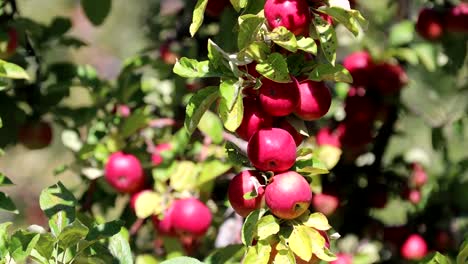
point(288, 195)
point(164, 226)
point(240, 185)
point(298, 137)
point(272, 149)
point(456, 20)
point(359, 65)
point(156, 157)
point(291, 14)
point(191, 216)
point(414, 248)
point(325, 136)
point(343, 258)
point(35, 135)
point(124, 172)
point(418, 176)
point(314, 100)
point(325, 203)
point(430, 24)
point(279, 99)
point(215, 8)
point(254, 119)
point(388, 78)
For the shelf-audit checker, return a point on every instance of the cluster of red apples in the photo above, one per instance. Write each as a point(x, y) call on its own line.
point(417, 180)
point(433, 23)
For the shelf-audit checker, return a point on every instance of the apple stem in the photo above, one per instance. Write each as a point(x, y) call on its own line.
point(162, 122)
point(136, 226)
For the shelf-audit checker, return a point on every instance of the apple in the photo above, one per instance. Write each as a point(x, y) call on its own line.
point(325, 203)
point(35, 134)
point(191, 216)
point(418, 176)
point(291, 14)
point(414, 196)
point(164, 226)
point(325, 136)
point(124, 172)
point(288, 195)
point(443, 240)
point(359, 65)
point(215, 8)
point(166, 54)
point(360, 107)
point(388, 78)
point(414, 248)
point(298, 137)
point(156, 157)
point(272, 149)
point(314, 100)
point(254, 119)
point(122, 110)
point(278, 99)
point(430, 24)
point(456, 20)
point(343, 258)
point(354, 135)
point(242, 184)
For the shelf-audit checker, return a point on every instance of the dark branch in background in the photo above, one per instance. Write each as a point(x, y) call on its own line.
point(88, 197)
point(383, 137)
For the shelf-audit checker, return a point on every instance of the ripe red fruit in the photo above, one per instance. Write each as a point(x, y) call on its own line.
point(156, 157)
point(360, 107)
point(214, 8)
point(430, 24)
point(291, 14)
point(359, 65)
point(314, 100)
point(354, 134)
point(388, 78)
point(240, 185)
point(343, 258)
point(254, 119)
point(288, 195)
point(414, 248)
point(191, 216)
point(272, 149)
point(35, 135)
point(124, 172)
point(122, 110)
point(325, 203)
point(298, 137)
point(167, 55)
point(325, 136)
point(418, 176)
point(164, 226)
point(456, 20)
point(278, 99)
point(414, 196)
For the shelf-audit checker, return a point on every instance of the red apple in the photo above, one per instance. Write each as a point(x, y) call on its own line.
point(325, 136)
point(288, 195)
point(414, 248)
point(164, 226)
point(240, 185)
point(456, 20)
point(298, 137)
point(314, 100)
point(254, 119)
point(124, 172)
point(430, 24)
point(360, 107)
point(414, 196)
point(122, 110)
point(291, 14)
point(35, 134)
point(418, 176)
point(359, 65)
point(325, 203)
point(354, 135)
point(191, 216)
point(388, 78)
point(156, 157)
point(343, 258)
point(272, 149)
point(278, 99)
point(215, 8)
point(167, 55)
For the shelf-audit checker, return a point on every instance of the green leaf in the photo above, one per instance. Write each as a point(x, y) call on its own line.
point(45, 245)
point(212, 169)
point(232, 118)
point(328, 72)
point(119, 247)
point(463, 255)
point(325, 254)
point(274, 68)
point(439, 259)
point(229, 90)
point(6, 204)
point(4, 239)
point(318, 221)
point(402, 33)
point(327, 37)
point(72, 234)
point(248, 28)
point(300, 242)
point(427, 54)
point(309, 165)
point(182, 260)
point(228, 254)
point(239, 4)
point(267, 226)
point(146, 259)
point(351, 19)
point(250, 226)
point(96, 11)
point(58, 204)
point(139, 119)
point(4, 181)
point(21, 244)
point(258, 254)
point(59, 26)
point(211, 125)
point(197, 106)
point(284, 255)
point(184, 175)
point(284, 38)
point(258, 51)
point(307, 44)
point(104, 230)
point(198, 15)
point(191, 68)
point(12, 71)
